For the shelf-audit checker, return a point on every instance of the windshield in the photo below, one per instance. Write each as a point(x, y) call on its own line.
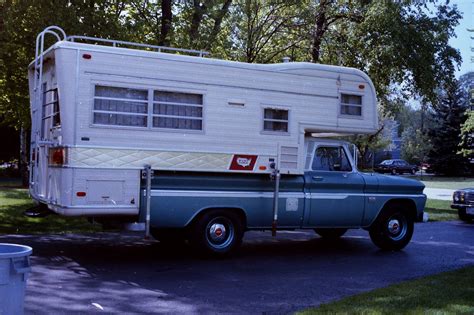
point(387, 162)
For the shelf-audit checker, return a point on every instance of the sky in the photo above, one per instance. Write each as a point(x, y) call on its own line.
point(463, 41)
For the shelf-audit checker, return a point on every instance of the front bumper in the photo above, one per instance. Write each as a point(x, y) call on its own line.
point(462, 207)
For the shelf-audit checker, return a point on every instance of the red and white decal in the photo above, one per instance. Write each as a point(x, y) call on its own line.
point(242, 162)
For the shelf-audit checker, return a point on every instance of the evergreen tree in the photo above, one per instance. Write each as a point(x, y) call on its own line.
point(450, 114)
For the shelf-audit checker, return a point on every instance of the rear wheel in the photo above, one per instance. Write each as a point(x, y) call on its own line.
point(413, 171)
point(394, 172)
point(217, 233)
point(330, 233)
point(393, 229)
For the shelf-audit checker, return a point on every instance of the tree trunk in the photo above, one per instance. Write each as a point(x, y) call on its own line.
point(320, 28)
point(198, 12)
point(217, 23)
point(166, 20)
point(23, 162)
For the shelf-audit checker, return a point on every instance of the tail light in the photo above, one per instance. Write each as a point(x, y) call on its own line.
point(57, 156)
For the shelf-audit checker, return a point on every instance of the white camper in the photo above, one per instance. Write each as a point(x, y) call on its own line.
point(102, 110)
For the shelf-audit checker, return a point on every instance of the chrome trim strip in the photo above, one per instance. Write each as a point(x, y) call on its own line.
point(256, 194)
point(220, 193)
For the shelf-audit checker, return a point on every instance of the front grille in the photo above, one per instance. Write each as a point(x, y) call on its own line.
point(469, 197)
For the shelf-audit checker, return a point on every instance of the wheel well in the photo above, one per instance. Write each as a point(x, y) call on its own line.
point(240, 212)
point(406, 205)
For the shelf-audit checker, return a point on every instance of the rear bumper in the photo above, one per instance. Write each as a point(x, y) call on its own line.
point(92, 211)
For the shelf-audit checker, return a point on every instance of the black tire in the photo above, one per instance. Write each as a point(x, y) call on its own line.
point(393, 229)
point(413, 171)
point(330, 233)
point(217, 233)
point(393, 172)
point(169, 236)
point(463, 216)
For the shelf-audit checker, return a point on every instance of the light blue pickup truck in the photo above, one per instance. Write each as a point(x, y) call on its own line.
point(213, 211)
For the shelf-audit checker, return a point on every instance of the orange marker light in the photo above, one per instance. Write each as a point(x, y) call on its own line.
point(262, 167)
point(361, 86)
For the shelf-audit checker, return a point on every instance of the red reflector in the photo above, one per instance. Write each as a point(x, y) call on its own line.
point(56, 156)
point(86, 56)
point(361, 86)
point(81, 194)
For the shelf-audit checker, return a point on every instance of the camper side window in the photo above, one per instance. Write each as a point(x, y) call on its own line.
point(275, 120)
point(174, 110)
point(120, 106)
point(351, 105)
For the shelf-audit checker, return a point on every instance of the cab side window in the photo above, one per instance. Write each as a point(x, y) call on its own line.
point(331, 159)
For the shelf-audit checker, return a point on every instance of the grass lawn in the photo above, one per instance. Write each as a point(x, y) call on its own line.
point(440, 210)
point(13, 201)
point(446, 182)
point(446, 293)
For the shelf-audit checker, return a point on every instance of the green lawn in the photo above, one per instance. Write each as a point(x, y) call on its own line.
point(446, 293)
point(446, 182)
point(440, 210)
point(13, 201)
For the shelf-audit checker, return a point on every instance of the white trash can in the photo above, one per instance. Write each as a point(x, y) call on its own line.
point(14, 270)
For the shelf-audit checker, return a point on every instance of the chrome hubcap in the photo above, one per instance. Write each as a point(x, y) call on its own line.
point(397, 227)
point(394, 226)
point(220, 232)
point(217, 232)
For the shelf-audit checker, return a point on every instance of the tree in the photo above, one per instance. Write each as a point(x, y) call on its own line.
point(467, 136)
point(444, 157)
point(415, 145)
point(20, 22)
point(466, 83)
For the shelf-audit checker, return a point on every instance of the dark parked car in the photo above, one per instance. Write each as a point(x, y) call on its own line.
point(463, 201)
point(396, 167)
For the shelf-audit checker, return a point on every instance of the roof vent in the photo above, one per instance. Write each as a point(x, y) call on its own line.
point(286, 59)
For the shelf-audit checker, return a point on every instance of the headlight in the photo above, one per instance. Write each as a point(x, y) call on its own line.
point(456, 197)
point(461, 197)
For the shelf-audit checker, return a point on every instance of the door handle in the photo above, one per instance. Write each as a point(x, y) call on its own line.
point(318, 178)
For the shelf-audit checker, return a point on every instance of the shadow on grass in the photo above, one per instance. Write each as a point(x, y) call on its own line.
point(13, 203)
point(13, 193)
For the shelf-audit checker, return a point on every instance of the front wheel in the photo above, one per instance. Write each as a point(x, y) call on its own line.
point(392, 230)
point(329, 233)
point(217, 233)
point(463, 216)
point(413, 171)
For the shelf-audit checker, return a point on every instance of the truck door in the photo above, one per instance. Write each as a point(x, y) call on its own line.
point(336, 189)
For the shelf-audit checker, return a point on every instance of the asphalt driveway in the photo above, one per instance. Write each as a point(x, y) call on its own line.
point(121, 273)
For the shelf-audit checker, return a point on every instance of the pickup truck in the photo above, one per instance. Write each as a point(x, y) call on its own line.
point(212, 211)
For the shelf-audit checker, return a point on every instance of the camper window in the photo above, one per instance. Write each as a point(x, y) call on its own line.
point(351, 105)
point(120, 106)
point(275, 120)
point(177, 110)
